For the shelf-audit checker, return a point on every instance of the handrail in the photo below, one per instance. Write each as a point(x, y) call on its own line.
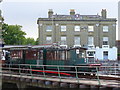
point(45, 70)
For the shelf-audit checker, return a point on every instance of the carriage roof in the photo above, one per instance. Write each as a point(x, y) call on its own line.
point(46, 46)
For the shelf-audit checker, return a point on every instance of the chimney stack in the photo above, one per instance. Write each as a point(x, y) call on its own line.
point(104, 13)
point(50, 13)
point(72, 12)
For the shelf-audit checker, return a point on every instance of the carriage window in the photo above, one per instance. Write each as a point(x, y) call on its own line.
point(57, 55)
point(41, 55)
point(31, 55)
point(62, 55)
point(50, 55)
point(81, 54)
point(68, 55)
point(16, 54)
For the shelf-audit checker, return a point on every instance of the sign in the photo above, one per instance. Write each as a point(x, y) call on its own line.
point(77, 51)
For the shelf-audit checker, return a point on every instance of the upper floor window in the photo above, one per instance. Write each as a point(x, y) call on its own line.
point(90, 28)
point(63, 40)
point(48, 39)
point(90, 40)
point(63, 28)
point(76, 40)
point(77, 28)
point(105, 40)
point(105, 28)
point(48, 28)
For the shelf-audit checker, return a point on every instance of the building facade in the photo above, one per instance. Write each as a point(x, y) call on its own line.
point(76, 30)
point(118, 41)
point(118, 20)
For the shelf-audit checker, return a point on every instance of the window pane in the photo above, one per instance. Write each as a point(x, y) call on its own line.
point(63, 28)
point(105, 28)
point(63, 40)
point(48, 28)
point(90, 41)
point(105, 55)
point(91, 53)
point(90, 28)
point(76, 40)
point(48, 40)
point(77, 28)
point(105, 40)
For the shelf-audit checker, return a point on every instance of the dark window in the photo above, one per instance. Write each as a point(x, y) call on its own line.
point(105, 42)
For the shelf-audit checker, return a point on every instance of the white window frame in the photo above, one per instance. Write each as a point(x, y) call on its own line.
point(90, 41)
point(63, 40)
point(92, 53)
point(63, 28)
point(106, 39)
point(48, 39)
point(90, 28)
point(105, 55)
point(105, 28)
point(77, 28)
point(76, 40)
point(48, 30)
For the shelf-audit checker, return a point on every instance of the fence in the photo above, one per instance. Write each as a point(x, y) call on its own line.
point(77, 73)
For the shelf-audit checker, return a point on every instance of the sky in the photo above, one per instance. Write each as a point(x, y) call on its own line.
point(26, 12)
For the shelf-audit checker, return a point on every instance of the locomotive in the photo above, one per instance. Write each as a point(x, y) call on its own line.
point(49, 55)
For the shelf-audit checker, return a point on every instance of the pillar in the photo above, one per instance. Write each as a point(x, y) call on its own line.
point(21, 86)
point(56, 84)
point(73, 86)
point(94, 87)
point(86, 87)
point(64, 85)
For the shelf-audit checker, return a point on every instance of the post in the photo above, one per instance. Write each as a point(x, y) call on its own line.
point(98, 76)
point(21, 86)
point(76, 74)
point(59, 73)
point(44, 72)
point(31, 71)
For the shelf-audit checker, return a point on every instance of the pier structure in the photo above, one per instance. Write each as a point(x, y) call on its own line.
point(26, 77)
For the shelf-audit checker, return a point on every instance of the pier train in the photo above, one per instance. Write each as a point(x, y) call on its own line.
point(49, 55)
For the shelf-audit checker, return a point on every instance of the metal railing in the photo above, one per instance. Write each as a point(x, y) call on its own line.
point(60, 72)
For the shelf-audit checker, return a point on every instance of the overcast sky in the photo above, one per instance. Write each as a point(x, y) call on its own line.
point(26, 12)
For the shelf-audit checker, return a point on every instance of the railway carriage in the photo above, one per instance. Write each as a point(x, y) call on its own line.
point(49, 55)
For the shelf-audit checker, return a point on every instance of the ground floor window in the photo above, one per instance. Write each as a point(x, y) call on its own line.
point(105, 55)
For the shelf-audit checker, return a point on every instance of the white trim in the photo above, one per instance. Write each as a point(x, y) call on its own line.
point(91, 46)
point(77, 46)
point(105, 46)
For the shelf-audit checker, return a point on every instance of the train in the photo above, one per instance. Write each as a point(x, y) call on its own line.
point(49, 55)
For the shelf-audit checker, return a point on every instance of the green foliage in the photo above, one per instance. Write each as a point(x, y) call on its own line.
point(30, 41)
point(118, 54)
point(13, 35)
point(37, 41)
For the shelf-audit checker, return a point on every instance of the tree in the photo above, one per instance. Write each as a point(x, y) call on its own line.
point(30, 41)
point(37, 41)
point(13, 35)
